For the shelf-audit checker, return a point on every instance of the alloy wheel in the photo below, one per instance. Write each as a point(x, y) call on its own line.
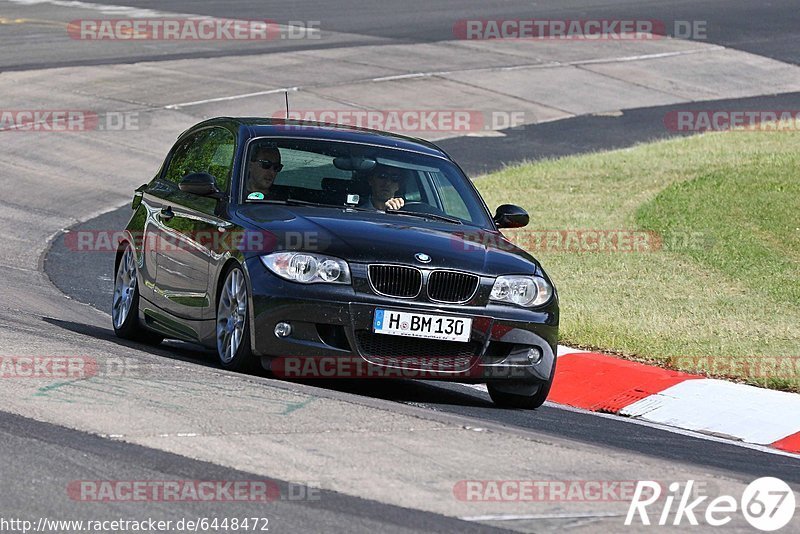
point(231, 315)
point(124, 288)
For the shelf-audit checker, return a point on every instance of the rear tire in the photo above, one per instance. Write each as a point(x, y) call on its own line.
point(125, 303)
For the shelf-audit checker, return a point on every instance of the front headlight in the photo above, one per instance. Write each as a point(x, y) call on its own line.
point(308, 268)
point(525, 291)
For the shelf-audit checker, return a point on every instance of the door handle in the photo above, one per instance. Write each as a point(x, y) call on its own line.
point(166, 214)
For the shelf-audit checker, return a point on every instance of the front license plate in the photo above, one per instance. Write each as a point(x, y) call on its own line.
point(397, 323)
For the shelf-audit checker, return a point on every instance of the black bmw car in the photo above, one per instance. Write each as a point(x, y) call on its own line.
point(281, 243)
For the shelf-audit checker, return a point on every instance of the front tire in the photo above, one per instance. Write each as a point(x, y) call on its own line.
point(232, 324)
point(504, 398)
point(125, 303)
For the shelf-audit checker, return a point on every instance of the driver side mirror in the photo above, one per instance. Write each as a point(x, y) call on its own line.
point(202, 184)
point(511, 216)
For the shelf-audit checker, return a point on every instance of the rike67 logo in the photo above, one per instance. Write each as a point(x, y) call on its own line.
point(767, 504)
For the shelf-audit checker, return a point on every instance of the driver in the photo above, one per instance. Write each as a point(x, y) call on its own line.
point(384, 183)
point(264, 166)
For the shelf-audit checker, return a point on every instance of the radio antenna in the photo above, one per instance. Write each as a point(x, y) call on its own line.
point(286, 94)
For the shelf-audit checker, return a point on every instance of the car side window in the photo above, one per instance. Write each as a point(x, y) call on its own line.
point(210, 150)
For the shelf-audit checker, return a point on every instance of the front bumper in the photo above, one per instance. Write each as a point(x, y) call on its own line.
point(332, 324)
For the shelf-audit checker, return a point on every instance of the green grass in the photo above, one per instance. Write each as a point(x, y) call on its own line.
point(722, 295)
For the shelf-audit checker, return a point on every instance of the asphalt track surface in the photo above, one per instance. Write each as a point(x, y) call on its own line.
point(45, 453)
point(765, 29)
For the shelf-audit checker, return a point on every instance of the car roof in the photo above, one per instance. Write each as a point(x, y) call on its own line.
point(269, 127)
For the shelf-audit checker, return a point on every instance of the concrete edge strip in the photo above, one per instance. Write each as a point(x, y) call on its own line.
point(740, 412)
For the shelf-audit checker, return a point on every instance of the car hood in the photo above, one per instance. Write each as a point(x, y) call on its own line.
point(375, 237)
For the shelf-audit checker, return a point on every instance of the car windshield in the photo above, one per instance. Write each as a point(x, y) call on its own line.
point(337, 173)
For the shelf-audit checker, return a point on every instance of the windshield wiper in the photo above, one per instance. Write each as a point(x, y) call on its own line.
point(427, 216)
point(298, 202)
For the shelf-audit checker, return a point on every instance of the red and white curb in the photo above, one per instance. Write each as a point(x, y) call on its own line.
point(603, 383)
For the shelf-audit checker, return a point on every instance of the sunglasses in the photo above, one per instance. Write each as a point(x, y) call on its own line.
point(393, 177)
point(267, 165)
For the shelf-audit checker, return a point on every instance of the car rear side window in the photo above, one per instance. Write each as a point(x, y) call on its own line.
point(210, 150)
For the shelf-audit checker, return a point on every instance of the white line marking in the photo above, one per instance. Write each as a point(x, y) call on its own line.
point(551, 64)
point(537, 516)
point(709, 48)
point(407, 76)
point(232, 97)
point(15, 268)
point(430, 74)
